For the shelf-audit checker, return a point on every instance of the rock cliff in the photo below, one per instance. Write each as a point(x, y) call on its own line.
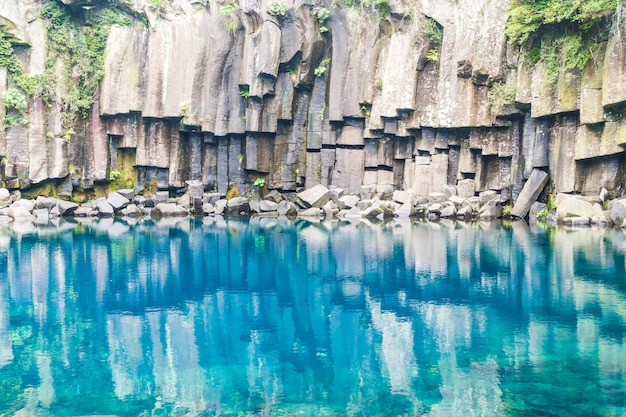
point(371, 97)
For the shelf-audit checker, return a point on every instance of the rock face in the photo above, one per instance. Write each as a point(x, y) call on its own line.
point(210, 98)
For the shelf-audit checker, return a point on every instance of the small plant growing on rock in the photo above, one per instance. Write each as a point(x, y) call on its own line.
point(433, 55)
point(13, 99)
point(229, 10)
point(320, 71)
point(322, 14)
point(259, 182)
point(68, 134)
point(277, 8)
point(434, 35)
point(114, 175)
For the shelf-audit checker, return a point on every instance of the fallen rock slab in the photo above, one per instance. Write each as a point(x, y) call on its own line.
point(315, 196)
point(570, 206)
point(287, 208)
point(529, 194)
point(236, 206)
point(117, 200)
point(168, 210)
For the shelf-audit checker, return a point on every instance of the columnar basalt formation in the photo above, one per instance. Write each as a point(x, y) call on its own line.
point(364, 99)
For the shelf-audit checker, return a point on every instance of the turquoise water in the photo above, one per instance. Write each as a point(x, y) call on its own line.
point(204, 317)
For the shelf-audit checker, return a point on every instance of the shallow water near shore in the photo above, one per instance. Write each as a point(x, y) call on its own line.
point(271, 317)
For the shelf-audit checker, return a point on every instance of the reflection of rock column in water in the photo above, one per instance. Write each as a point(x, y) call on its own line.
point(396, 350)
point(466, 391)
point(182, 378)
point(126, 354)
point(6, 347)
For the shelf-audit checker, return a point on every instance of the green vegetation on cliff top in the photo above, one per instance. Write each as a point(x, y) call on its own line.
point(562, 34)
point(529, 18)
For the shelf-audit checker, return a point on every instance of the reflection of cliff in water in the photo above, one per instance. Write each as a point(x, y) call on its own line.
point(393, 318)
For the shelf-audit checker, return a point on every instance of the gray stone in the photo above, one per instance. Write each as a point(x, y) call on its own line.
point(131, 210)
point(211, 198)
point(168, 210)
point(117, 201)
point(255, 206)
point(490, 211)
point(287, 208)
point(43, 214)
point(266, 205)
point(349, 200)
point(466, 188)
point(82, 211)
point(208, 209)
point(4, 194)
point(456, 200)
point(315, 196)
point(126, 193)
point(604, 195)
point(405, 210)
point(570, 206)
point(363, 204)
point(447, 212)
point(597, 210)
point(195, 188)
point(184, 200)
point(161, 197)
point(537, 208)
point(237, 205)
point(27, 204)
point(617, 211)
point(402, 196)
point(330, 210)
point(465, 212)
point(55, 212)
point(105, 209)
point(18, 212)
point(435, 208)
point(529, 194)
point(485, 196)
point(220, 206)
point(373, 212)
point(434, 198)
point(367, 192)
point(336, 193)
point(66, 208)
point(45, 202)
point(353, 213)
point(274, 196)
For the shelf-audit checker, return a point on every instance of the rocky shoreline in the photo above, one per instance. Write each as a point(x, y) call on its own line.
point(318, 201)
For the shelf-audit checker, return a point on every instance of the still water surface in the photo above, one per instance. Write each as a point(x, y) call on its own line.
point(204, 317)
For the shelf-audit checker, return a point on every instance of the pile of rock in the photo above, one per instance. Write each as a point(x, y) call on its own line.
point(318, 201)
point(580, 210)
